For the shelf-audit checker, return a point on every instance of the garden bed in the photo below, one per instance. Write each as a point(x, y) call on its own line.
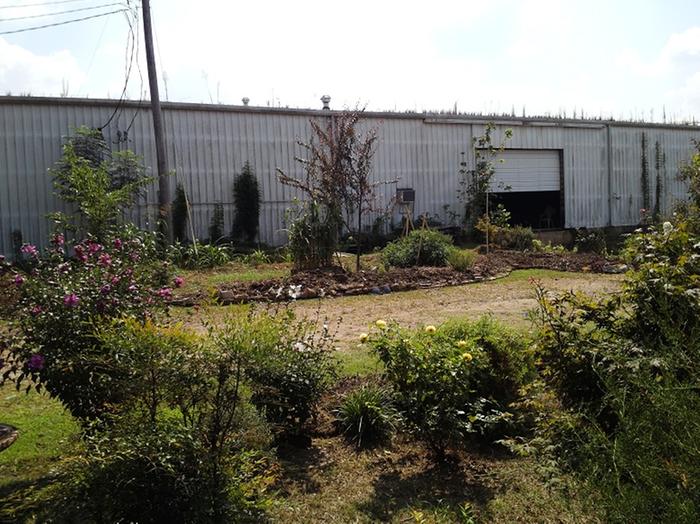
point(334, 281)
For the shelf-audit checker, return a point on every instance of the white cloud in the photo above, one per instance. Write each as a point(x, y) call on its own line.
point(22, 71)
point(678, 50)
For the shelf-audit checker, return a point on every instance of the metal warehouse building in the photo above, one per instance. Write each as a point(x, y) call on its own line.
point(557, 173)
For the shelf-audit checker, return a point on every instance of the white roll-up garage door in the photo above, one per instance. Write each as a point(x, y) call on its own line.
point(526, 170)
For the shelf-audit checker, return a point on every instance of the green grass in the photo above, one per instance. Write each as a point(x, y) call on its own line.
point(358, 362)
point(47, 434)
point(543, 274)
point(203, 280)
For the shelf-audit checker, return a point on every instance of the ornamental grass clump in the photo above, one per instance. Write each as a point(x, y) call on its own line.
point(453, 382)
point(368, 416)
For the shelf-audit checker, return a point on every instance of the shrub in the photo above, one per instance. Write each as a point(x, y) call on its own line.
point(313, 237)
point(198, 256)
point(187, 446)
point(246, 198)
point(257, 258)
point(590, 241)
point(64, 302)
point(625, 368)
point(454, 381)
point(461, 259)
point(421, 247)
point(180, 214)
point(368, 416)
point(216, 224)
point(518, 238)
point(290, 366)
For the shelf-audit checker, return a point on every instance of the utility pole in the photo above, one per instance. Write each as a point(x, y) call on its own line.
point(164, 216)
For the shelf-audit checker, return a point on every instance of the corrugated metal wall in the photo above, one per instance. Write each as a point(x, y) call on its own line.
point(208, 145)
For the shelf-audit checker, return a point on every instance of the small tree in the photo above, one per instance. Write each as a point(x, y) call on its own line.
point(246, 197)
point(338, 169)
point(179, 213)
point(216, 225)
point(100, 183)
point(476, 182)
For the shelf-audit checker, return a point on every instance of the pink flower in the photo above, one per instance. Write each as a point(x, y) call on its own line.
point(117, 243)
point(71, 300)
point(132, 287)
point(178, 281)
point(36, 362)
point(19, 279)
point(58, 239)
point(36, 310)
point(30, 250)
point(80, 253)
point(105, 289)
point(165, 292)
point(94, 247)
point(105, 260)
point(115, 281)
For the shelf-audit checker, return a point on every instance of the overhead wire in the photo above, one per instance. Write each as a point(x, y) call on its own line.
point(57, 13)
point(128, 64)
point(37, 4)
point(55, 24)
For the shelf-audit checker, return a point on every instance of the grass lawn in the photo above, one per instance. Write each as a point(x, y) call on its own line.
point(47, 433)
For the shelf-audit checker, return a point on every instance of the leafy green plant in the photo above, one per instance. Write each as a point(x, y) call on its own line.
point(518, 238)
point(246, 198)
point(368, 416)
point(216, 224)
point(312, 236)
point(290, 366)
point(421, 247)
point(101, 186)
point(590, 241)
point(198, 256)
point(461, 259)
point(257, 258)
point(456, 381)
point(625, 369)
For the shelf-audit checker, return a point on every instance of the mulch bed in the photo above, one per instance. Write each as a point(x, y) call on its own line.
point(334, 281)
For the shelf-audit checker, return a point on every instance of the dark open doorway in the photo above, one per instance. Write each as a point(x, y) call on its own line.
point(536, 209)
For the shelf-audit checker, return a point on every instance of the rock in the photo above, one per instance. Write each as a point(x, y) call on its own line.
point(375, 291)
point(386, 288)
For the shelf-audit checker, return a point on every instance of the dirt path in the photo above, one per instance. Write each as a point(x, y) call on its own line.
point(508, 299)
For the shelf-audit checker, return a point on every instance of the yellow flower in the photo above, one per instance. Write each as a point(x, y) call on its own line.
point(363, 337)
point(468, 357)
point(380, 324)
point(430, 329)
point(462, 344)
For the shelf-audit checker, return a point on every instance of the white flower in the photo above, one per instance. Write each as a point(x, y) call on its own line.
point(668, 227)
point(294, 291)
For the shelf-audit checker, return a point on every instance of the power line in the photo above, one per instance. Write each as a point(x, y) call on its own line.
point(34, 28)
point(43, 15)
point(40, 4)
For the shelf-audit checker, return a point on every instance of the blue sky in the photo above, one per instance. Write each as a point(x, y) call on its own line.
point(619, 58)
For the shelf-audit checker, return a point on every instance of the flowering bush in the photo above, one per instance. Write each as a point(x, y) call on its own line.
point(456, 380)
point(290, 366)
point(62, 304)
